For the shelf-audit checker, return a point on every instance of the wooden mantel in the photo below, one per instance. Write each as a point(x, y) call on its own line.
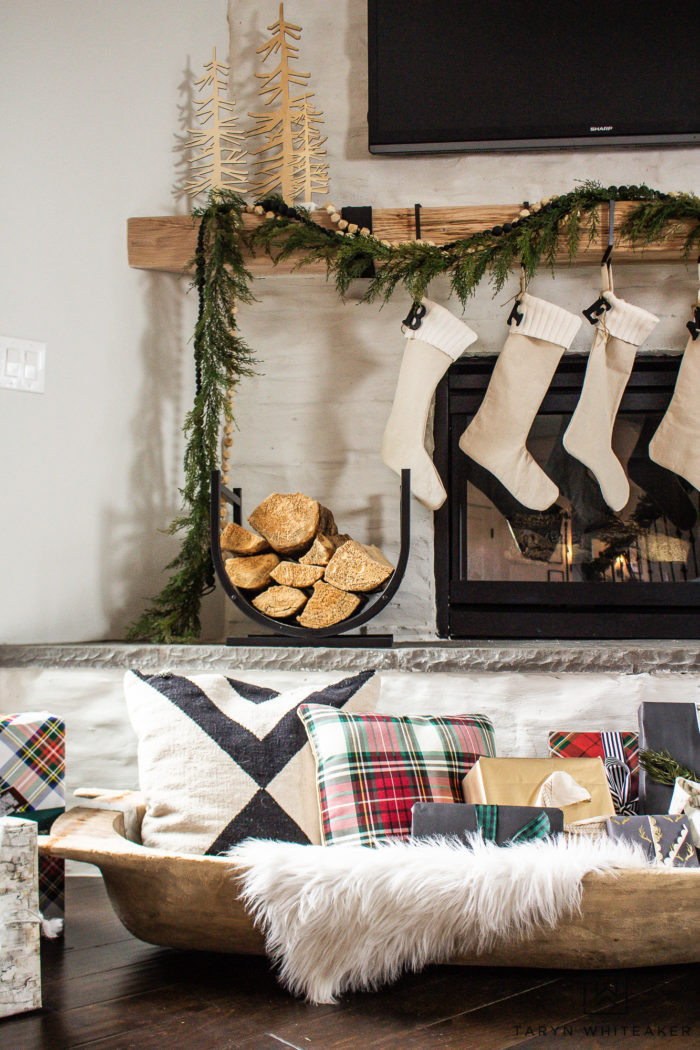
point(168, 242)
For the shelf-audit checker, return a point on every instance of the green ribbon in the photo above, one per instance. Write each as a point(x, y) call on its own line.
point(487, 821)
point(43, 817)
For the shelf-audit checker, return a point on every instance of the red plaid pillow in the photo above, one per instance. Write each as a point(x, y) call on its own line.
point(372, 768)
point(614, 748)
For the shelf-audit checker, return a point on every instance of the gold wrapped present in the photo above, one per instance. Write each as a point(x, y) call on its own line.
point(578, 786)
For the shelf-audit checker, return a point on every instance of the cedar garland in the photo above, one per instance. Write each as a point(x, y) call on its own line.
point(663, 768)
point(222, 357)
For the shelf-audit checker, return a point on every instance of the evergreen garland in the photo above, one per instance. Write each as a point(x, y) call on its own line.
point(222, 357)
point(663, 768)
point(529, 240)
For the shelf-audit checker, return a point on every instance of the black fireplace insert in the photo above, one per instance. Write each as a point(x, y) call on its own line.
point(577, 570)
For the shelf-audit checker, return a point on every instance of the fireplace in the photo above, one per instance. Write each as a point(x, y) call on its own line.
point(576, 570)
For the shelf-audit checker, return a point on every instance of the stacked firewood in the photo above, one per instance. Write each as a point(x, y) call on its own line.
point(297, 563)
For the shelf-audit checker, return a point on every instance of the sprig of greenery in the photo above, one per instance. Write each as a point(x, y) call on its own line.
point(659, 218)
point(663, 768)
point(222, 358)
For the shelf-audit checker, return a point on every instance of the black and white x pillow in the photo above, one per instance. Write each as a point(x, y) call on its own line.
point(221, 760)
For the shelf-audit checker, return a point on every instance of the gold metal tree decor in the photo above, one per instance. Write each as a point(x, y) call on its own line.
point(217, 144)
point(290, 155)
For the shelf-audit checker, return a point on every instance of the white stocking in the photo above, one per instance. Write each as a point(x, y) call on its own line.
point(430, 349)
point(496, 436)
point(676, 443)
point(619, 332)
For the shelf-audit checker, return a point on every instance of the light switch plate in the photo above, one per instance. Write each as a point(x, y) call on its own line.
point(22, 364)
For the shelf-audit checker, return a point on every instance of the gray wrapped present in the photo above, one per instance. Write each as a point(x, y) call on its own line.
point(665, 838)
point(504, 825)
point(671, 727)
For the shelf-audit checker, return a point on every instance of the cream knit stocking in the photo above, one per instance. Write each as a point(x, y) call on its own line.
point(676, 443)
point(619, 332)
point(496, 436)
point(437, 340)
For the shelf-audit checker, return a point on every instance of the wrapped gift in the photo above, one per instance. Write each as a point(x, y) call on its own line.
point(665, 838)
point(32, 774)
point(20, 965)
point(619, 752)
point(666, 727)
point(504, 825)
point(686, 800)
point(578, 786)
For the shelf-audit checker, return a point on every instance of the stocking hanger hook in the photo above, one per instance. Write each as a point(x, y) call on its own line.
point(606, 261)
point(524, 279)
point(598, 309)
point(416, 213)
point(694, 325)
point(516, 313)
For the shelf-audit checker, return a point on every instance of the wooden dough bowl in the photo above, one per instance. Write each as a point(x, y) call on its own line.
point(178, 900)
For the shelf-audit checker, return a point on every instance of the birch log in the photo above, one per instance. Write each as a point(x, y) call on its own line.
point(20, 966)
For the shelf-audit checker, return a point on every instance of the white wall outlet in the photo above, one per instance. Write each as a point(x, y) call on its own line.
point(22, 364)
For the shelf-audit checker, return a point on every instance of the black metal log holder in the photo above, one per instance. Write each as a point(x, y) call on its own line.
point(288, 634)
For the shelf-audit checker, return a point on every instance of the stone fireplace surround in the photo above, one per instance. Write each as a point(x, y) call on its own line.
point(526, 687)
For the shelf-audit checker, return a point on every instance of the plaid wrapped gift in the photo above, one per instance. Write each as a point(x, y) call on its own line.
point(32, 773)
point(620, 754)
point(371, 768)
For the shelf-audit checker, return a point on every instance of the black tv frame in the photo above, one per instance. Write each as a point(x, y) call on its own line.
point(602, 138)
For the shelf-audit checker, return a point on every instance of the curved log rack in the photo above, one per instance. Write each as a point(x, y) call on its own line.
point(286, 633)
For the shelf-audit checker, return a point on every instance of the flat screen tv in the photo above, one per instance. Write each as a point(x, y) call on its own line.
point(454, 75)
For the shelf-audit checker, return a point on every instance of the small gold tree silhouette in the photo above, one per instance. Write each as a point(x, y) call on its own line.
point(217, 144)
point(310, 173)
point(289, 129)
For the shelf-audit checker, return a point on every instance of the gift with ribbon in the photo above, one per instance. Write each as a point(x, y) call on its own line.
point(577, 786)
point(686, 800)
point(672, 728)
point(619, 751)
point(32, 786)
point(665, 838)
point(504, 825)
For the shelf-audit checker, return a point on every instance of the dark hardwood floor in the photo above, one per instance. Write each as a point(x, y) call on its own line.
point(104, 989)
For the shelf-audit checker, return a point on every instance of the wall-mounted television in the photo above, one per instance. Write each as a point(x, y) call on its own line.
point(455, 75)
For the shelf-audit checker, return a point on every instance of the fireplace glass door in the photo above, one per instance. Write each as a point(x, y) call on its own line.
point(577, 569)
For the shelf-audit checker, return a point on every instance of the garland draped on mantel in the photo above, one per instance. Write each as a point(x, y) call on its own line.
point(222, 357)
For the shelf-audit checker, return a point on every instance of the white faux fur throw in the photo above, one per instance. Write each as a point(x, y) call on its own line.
point(340, 918)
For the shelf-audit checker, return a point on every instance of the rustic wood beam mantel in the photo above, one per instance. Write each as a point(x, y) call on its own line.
point(168, 242)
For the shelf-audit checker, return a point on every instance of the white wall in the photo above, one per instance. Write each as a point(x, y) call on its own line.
point(101, 745)
point(94, 95)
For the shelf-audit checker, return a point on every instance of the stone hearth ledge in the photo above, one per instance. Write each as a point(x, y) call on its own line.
point(537, 657)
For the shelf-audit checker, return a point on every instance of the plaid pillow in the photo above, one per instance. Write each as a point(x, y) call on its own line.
point(370, 769)
point(620, 755)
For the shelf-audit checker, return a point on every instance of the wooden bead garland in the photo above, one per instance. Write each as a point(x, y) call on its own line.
point(227, 439)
